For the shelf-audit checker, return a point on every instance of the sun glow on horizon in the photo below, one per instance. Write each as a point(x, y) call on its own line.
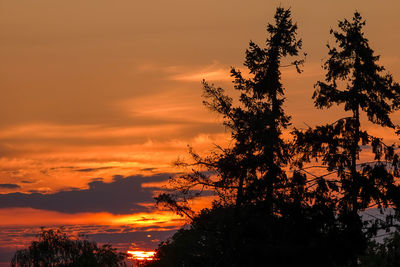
point(141, 255)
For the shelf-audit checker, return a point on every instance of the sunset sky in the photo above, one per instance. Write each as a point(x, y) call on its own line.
point(99, 97)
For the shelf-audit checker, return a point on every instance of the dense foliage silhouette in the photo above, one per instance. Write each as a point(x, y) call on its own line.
point(253, 169)
point(355, 80)
point(386, 254)
point(55, 248)
point(269, 209)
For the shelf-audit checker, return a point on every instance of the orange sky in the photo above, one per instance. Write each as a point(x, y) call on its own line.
point(99, 89)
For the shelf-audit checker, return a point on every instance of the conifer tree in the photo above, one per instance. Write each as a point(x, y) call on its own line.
point(314, 218)
point(252, 170)
point(355, 80)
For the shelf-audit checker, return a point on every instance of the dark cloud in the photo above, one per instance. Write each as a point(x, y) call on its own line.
point(34, 191)
point(148, 169)
point(9, 186)
point(70, 188)
point(122, 196)
point(97, 179)
point(6, 254)
point(61, 167)
point(93, 169)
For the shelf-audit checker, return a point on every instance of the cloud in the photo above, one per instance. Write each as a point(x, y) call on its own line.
point(197, 76)
point(9, 186)
point(123, 195)
point(6, 254)
point(98, 179)
point(148, 169)
point(214, 71)
point(40, 163)
point(27, 182)
point(28, 217)
point(93, 169)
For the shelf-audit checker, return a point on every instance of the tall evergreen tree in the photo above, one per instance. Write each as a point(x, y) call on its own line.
point(264, 213)
point(313, 217)
point(354, 79)
point(252, 170)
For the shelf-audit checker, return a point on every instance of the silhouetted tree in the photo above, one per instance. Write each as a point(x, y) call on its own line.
point(354, 79)
point(303, 218)
point(249, 236)
point(253, 169)
point(55, 248)
point(264, 213)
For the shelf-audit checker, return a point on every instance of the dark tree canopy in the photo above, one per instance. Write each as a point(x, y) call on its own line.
point(262, 209)
point(355, 80)
point(248, 236)
point(252, 169)
point(386, 254)
point(270, 202)
point(365, 87)
point(55, 248)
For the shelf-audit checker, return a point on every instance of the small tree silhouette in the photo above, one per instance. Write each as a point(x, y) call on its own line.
point(55, 248)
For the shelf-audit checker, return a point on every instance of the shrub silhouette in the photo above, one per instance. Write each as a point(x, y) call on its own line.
point(55, 248)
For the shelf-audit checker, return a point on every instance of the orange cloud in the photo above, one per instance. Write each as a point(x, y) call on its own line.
point(35, 217)
point(221, 74)
point(191, 73)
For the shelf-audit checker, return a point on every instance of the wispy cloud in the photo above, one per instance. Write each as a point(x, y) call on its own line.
point(35, 217)
point(211, 74)
point(214, 71)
